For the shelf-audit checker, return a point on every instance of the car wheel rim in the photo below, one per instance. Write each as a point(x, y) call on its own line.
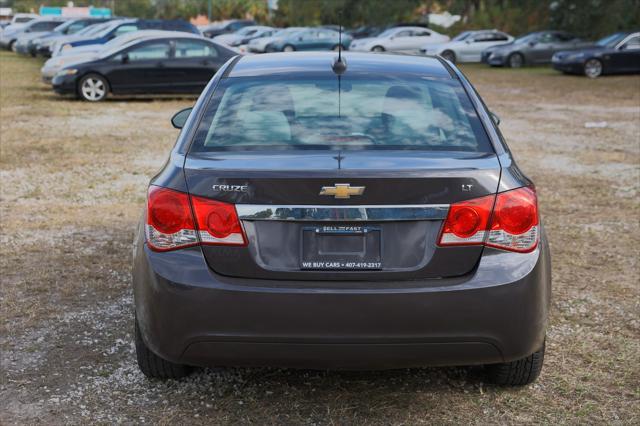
point(448, 56)
point(93, 89)
point(288, 49)
point(337, 48)
point(516, 61)
point(377, 49)
point(593, 68)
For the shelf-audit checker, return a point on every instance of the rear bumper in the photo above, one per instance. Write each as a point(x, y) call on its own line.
point(190, 315)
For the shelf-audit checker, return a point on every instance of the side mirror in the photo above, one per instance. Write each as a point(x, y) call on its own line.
point(532, 43)
point(180, 118)
point(125, 58)
point(495, 118)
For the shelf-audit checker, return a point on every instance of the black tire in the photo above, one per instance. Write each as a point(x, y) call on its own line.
point(155, 367)
point(449, 55)
point(377, 49)
point(517, 373)
point(288, 48)
point(10, 46)
point(515, 60)
point(101, 88)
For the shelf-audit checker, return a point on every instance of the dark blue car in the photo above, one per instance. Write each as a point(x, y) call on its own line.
point(617, 53)
point(125, 26)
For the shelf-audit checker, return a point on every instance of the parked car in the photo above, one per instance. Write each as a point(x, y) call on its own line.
point(259, 45)
point(166, 64)
point(225, 27)
point(20, 19)
point(9, 36)
point(618, 53)
point(399, 39)
point(42, 45)
point(309, 39)
point(91, 30)
point(244, 35)
point(532, 49)
point(92, 52)
point(121, 27)
point(467, 46)
point(415, 246)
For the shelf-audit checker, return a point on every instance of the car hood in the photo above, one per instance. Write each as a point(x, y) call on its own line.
point(263, 40)
point(585, 50)
point(65, 61)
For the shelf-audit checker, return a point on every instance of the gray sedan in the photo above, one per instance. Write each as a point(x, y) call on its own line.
point(532, 49)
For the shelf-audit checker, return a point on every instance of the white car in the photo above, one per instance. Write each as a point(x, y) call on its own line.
point(237, 38)
point(259, 45)
point(468, 45)
point(399, 39)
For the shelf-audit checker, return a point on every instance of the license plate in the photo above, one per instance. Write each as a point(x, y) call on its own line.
point(341, 247)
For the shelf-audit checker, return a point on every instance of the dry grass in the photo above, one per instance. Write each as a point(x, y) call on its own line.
point(73, 177)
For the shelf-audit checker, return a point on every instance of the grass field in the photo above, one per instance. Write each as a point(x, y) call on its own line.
point(73, 180)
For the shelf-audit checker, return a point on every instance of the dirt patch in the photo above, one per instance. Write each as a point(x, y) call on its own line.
point(73, 178)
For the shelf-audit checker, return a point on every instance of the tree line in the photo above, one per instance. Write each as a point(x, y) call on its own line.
point(588, 18)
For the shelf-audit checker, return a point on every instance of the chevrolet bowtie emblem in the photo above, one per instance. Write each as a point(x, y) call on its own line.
point(342, 190)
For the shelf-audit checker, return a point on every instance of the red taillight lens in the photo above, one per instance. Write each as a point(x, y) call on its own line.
point(467, 222)
point(170, 223)
point(512, 226)
point(218, 222)
point(169, 220)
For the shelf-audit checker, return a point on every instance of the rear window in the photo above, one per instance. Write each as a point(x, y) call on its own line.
point(359, 111)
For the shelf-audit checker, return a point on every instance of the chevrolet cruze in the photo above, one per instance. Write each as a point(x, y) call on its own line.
point(353, 213)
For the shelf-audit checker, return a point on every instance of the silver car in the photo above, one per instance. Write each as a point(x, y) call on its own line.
point(468, 45)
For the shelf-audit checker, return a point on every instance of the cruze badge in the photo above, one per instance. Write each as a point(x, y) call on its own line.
point(230, 188)
point(342, 190)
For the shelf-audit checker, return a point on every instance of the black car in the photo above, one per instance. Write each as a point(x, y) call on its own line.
point(618, 53)
point(166, 64)
point(535, 48)
point(353, 214)
point(226, 27)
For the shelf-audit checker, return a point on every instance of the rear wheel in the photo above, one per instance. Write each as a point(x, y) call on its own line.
point(449, 56)
point(515, 60)
point(288, 48)
point(93, 88)
point(377, 49)
point(519, 372)
point(593, 68)
point(152, 365)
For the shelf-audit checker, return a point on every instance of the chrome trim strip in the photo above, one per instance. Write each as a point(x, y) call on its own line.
point(342, 213)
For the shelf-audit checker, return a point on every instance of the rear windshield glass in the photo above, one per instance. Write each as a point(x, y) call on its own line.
point(355, 111)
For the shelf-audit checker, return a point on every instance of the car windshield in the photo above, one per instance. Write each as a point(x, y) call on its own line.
point(361, 111)
point(462, 36)
point(91, 29)
point(611, 40)
point(526, 38)
point(388, 33)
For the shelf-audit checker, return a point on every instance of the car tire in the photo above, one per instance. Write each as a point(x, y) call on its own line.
point(11, 46)
point(593, 68)
point(449, 55)
point(519, 372)
point(288, 48)
point(377, 49)
point(152, 365)
point(93, 88)
point(515, 60)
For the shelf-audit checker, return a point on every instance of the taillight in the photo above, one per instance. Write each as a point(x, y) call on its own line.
point(513, 225)
point(467, 222)
point(217, 222)
point(170, 223)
